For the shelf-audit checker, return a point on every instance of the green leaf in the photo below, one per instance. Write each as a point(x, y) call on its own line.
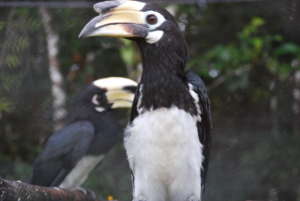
point(5, 106)
point(288, 48)
point(2, 25)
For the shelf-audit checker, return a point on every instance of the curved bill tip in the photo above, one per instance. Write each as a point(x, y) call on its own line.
point(81, 34)
point(124, 19)
point(90, 27)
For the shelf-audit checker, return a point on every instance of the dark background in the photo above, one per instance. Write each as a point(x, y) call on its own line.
point(248, 53)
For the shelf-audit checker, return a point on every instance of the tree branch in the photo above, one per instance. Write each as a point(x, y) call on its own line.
point(19, 191)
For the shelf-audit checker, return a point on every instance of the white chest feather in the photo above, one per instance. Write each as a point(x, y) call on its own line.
point(163, 148)
point(80, 172)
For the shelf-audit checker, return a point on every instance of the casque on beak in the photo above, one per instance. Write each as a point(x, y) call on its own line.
point(118, 91)
point(117, 19)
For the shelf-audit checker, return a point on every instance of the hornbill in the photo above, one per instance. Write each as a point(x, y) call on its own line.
point(72, 152)
point(167, 140)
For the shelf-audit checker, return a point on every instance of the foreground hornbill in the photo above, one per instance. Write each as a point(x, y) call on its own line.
point(167, 140)
point(92, 130)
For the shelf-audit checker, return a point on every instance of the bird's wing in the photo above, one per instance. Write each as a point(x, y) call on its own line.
point(61, 153)
point(204, 125)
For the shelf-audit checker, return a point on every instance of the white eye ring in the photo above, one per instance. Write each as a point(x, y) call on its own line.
point(160, 19)
point(95, 100)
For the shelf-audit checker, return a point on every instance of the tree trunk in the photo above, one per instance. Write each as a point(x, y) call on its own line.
point(58, 92)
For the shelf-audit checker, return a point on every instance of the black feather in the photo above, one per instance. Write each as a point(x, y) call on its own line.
point(87, 132)
point(204, 127)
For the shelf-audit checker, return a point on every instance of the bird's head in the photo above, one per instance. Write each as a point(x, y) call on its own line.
point(152, 27)
point(109, 93)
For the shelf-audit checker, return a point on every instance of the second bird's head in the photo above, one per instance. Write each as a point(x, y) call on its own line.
point(107, 93)
point(149, 25)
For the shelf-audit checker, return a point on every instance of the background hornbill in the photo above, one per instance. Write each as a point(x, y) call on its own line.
point(167, 140)
point(92, 130)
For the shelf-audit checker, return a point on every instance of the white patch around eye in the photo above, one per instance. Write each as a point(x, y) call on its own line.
point(154, 36)
point(99, 109)
point(95, 100)
point(160, 19)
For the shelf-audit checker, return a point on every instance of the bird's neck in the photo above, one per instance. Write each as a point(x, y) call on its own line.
point(82, 111)
point(162, 61)
point(163, 81)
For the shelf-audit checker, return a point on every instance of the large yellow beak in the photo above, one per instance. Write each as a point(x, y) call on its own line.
point(119, 91)
point(117, 19)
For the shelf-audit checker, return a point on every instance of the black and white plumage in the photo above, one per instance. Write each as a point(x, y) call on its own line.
point(167, 140)
point(71, 153)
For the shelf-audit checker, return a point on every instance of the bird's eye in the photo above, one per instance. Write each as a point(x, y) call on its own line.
point(151, 19)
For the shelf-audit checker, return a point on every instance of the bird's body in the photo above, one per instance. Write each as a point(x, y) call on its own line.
point(162, 141)
point(165, 155)
point(167, 140)
point(71, 153)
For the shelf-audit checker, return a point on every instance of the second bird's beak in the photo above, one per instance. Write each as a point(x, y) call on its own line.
point(119, 91)
point(117, 19)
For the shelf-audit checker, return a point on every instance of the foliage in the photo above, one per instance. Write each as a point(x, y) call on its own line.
point(254, 48)
point(5, 106)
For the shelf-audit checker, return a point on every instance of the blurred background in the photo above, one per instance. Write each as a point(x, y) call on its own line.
point(247, 51)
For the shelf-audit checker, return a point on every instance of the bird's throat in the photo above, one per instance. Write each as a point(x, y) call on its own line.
point(163, 80)
point(162, 60)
